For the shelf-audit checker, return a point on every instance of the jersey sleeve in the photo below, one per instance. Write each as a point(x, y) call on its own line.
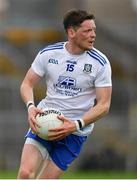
point(38, 65)
point(103, 78)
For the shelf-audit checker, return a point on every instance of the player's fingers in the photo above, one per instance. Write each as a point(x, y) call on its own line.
point(39, 110)
point(33, 127)
point(56, 129)
point(55, 136)
point(33, 120)
point(63, 118)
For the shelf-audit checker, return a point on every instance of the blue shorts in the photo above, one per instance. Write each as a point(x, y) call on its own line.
point(64, 151)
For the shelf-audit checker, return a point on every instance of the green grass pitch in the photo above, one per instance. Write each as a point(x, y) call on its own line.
point(82, 175)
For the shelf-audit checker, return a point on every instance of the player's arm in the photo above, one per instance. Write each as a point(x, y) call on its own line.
point(103, 97)
point(26, 90)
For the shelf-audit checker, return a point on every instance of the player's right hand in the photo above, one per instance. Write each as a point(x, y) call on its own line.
point(32, 113)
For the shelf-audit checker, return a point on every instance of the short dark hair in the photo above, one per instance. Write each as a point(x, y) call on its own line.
point(75, 17)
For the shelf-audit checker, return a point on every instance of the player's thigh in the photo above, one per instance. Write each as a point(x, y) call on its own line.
point(31, 158)
point(51, 171)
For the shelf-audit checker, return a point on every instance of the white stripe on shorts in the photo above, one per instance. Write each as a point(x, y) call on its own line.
point(39, 146)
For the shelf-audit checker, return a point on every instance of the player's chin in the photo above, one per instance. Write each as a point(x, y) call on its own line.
point(89, 47)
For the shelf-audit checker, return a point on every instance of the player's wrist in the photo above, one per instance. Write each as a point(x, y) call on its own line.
point(79, 124)
point(30, 104)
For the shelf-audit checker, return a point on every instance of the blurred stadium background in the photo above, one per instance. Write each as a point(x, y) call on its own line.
point(26, 26)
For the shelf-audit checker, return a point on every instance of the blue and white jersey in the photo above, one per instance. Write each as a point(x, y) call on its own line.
point(71, 79)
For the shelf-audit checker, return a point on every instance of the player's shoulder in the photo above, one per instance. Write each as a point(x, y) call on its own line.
point(98, 56)
point(52, 47)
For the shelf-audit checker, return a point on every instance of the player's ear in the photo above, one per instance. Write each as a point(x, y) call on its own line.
point(71, 32)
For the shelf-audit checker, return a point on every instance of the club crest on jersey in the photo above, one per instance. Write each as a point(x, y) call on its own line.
point(87, 68)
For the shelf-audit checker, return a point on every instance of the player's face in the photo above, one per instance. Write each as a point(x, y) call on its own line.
point(84, 37)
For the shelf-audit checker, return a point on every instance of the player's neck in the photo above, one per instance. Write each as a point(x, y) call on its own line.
point(73, 49)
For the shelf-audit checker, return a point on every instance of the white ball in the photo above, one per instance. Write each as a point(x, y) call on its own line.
point(48, 120)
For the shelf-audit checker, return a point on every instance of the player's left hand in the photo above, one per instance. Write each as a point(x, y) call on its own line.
point(64, 130)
